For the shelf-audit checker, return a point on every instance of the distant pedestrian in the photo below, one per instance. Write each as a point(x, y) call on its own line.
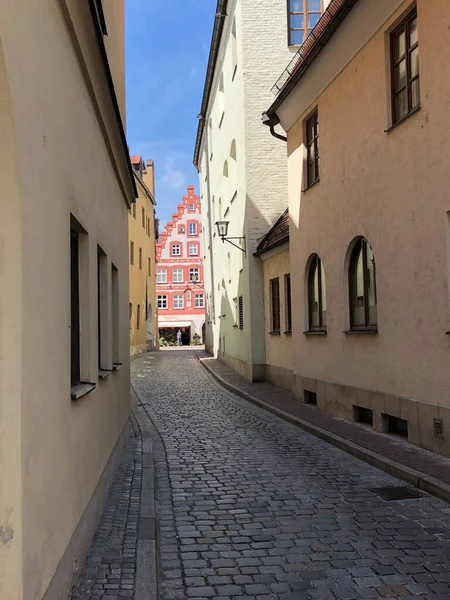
point(179, 337)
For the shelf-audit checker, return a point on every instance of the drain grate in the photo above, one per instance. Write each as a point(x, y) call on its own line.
point(397, 493)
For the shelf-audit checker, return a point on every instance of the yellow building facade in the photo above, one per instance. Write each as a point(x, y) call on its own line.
point(368, 129)
point(142, 231)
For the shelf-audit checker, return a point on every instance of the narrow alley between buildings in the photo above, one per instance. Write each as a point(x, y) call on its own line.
point(247, 505)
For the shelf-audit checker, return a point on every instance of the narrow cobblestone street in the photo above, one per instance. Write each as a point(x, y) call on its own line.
point(250, 506)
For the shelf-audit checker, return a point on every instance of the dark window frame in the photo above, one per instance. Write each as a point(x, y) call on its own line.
point(138, 316)
point(312, 120)
point(140, 258)
point(361, 244)
point(288, 301)
point(75, 345)
point(241, 312)
point(131, 252)
point(316, 264)
point(403, 27)
point(305, 12)
point(275, 320)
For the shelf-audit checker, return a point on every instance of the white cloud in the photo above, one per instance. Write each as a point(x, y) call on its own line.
point(172, 177)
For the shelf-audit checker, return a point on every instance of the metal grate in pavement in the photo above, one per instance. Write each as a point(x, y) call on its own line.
point(402, 492)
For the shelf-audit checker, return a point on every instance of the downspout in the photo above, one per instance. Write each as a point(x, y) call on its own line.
point(271, 122)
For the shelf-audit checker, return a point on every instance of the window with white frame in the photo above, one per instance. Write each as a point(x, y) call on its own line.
point(193, 250)
point(193, 273)
point(177, 275)
point(191, 208)
point(161, 276)
point(178, 301)
point(162, 301)
point(192, 228)
point(199, 301)
point(176, 250)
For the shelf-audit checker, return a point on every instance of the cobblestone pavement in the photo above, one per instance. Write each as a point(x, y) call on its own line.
point(249, 506)
point(110, 568)
point(259, 509)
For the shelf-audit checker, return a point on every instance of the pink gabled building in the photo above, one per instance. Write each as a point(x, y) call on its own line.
point(179, 273)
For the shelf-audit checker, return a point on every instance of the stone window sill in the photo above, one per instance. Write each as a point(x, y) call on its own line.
point(406, 117)
point(104, 373)
point(287, 332)
point(116, 366)
point(274, 333)
point(81, 389)
point(312, 332)
point(361, 331)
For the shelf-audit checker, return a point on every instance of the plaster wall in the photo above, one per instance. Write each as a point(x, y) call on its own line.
point(57, 162)
point(390, 187)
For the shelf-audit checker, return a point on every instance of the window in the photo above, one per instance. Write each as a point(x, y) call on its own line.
point(74, 309)
point(303, 16)
point(287, 295)
point(405, 68)
point(149, 266)
point(148, 227)
point(178, 301)
point(162, 301)
point(161, 276)
point(192, 228)
point(317, 302)
point(193, 250)
point(138, 317)
point(194, 274)
point(312, 147)
point(362, 287)
point(199, 301)
point(101, 307)
point(176, 250)
point(191, 208)
point(140, 258)
point(233, 49)
point(177, 275)
point(101, 17)
point(143, 218)
point(275, 305)
point(131, 312)
point(181, 229)
point(134, 209)
point(131, 253)
point(115, 313)
point(241, 312)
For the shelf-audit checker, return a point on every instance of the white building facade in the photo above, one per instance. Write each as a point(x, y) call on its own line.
point(242, 169)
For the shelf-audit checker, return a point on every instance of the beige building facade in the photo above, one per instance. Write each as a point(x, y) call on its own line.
point(368, 136)
point(142, 231)
point(67, 185)
point(242, 170)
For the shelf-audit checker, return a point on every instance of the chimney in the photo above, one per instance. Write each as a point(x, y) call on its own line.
point(149, 176)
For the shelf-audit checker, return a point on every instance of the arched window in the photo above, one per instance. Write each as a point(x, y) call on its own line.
point(317, 301)
point(225, 168)
point(362, 287)
point(233, 149)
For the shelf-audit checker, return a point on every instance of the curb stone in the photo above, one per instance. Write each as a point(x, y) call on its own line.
point(418, 479)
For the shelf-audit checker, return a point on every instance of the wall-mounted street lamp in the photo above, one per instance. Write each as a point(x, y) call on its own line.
point(196, 283)
point(222, 230)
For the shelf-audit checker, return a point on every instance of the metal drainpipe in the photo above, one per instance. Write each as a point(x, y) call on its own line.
point(271, 122)
point(208, 191)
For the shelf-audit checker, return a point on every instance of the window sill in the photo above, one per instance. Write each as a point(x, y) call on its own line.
point(403, 119)
point(81, 389)
point(116, 366)
point(308, 187)
point(274, 333)
point(359, 331)
point(104, 373)
point(289, 332)
point(235, 326)
point(312, 332)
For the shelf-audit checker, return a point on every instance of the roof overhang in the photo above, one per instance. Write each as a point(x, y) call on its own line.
point(333, 44)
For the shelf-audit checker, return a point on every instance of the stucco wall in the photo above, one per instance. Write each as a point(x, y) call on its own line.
point(52, 450)
point(278, 347)
point(254, 193)
point(390, 187)
point(142, 281)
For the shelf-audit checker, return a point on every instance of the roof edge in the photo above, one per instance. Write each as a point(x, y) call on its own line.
point(336, 12)
point(283, 240)
point(219, 19)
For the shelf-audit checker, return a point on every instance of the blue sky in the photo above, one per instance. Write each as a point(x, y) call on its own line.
point(167, 46)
